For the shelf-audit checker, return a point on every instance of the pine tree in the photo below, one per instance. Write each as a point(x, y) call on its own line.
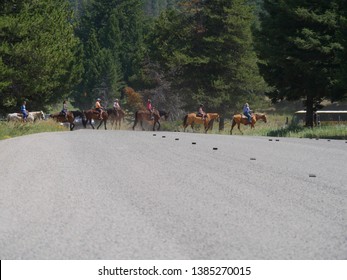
point(300, 49)
point(37, 53)
point(114, 29)
point(206, 48)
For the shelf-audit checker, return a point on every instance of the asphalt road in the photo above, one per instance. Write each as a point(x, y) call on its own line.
point(131, 195)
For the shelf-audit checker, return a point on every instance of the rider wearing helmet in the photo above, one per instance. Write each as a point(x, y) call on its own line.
point(201, 113)
point(116, 106)
point(98, 107)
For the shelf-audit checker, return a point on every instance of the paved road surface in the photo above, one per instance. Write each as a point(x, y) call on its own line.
point(131, 195)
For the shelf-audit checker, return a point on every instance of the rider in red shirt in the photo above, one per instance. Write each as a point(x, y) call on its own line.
point(149, 107)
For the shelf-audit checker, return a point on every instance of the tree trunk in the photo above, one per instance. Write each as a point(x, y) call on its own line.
point(309, 111)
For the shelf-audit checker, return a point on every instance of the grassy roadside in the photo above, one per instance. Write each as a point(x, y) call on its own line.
point(275, 127)
point(13, 129)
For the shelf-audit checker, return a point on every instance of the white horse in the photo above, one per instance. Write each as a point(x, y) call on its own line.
point(38, 115)
point(14, 117)
point(32, 116)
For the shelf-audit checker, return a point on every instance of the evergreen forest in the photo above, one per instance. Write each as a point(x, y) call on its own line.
point(179, 53)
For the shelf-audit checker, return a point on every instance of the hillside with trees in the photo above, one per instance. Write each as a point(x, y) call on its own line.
point(180, 53)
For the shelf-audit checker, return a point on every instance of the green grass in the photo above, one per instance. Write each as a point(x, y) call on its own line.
point(15, 129)
point(275, 127)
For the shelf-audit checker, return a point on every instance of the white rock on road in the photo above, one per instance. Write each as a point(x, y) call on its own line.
point(131, 195)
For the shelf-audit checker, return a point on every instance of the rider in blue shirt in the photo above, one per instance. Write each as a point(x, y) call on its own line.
point(247, 112)
point(24, 111)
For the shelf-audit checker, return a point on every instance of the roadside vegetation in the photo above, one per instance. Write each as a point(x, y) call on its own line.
point(15, 129)
point(278, 125)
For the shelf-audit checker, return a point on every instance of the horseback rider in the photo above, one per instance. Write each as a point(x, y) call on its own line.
point(24, 111)
point(201, 113)
point(99, 108)
point(247, 112)
point(150, 108)
point(64, 110)
point(116, 107)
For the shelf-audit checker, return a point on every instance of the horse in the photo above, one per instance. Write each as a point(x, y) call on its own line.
point(192, 119)
point(114, 117)
point(94, 115)
point(14, 117)
point(32, 116)
point(59, 117)
point(164, 114)
point(38, 115)
point(240, 118)
point(145, 115)
point(79, 114)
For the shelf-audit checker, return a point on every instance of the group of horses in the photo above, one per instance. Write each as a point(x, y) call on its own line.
point(88, 116)
point(237, 119)
point(141, 116)
point(114, 117)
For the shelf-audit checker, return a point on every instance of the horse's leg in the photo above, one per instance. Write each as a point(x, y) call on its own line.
point(90, 122)
point(154, 125)
point(238, 126)
point(141, 122)
point(232, 126)
point(105, 122)
point(100, 124)
point(135, 123)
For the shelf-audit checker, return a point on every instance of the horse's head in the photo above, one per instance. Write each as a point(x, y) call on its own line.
point(261, 117)
point(42, 115)
point(264, 118)
point(214, 116)
point(166, 115)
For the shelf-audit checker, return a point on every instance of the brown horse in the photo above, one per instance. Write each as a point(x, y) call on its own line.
point(59, 117)
point(192, 119)
point(145, 115)
point(94, 115)
point(240, 118)
point(114, 117)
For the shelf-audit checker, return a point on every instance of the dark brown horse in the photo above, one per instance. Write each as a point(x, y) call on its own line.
point(95, 115)
point(145, 115)
point(164, 114)
point(116, 117)
point(240, 118)
point(192, 119)
point(59, 117)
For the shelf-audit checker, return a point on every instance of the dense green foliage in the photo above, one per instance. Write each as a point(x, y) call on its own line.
point(179, 52)
point(37, 53)
point(206, 49)
point(302, 46)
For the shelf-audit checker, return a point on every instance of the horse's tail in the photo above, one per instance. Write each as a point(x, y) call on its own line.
point(232, 118)
point(136, 115)
point(185, 120)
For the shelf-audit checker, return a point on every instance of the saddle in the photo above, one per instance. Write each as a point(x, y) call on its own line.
point(98, 114)
point(198, 115)
point(244, 117)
